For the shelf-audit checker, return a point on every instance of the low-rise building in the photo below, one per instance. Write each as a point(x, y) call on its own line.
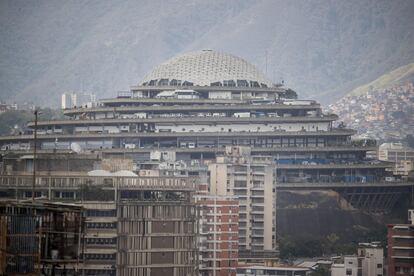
point(368, 262)
point(401, 156)
point(273, 270)
point(346, 265)
point(372, 258)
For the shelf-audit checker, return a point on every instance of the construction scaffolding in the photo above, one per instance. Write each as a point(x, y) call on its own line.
point(40, 238)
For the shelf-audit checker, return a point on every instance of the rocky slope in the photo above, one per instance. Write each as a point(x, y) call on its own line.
point(316, 223)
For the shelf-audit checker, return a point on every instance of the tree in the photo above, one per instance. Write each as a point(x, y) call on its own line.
point(409, 140)
point(321, 271)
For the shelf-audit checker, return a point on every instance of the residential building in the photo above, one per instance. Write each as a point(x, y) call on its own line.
point(143, 225)
point(384, 114)
point(100, 237)
point(369, 261)
point(68, 100)
point(218, 235)
point(372, 258)
point(77, 99)
point(401, 247)
point(346, 266)
point(252, 180)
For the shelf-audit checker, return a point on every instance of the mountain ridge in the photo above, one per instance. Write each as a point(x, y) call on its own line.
point(321, 49)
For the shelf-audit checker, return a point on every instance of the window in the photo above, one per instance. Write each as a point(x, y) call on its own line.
point(100, 213)
point(348, 271)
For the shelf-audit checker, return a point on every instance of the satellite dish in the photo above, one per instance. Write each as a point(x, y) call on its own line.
point(99, 173)
point(75, 147)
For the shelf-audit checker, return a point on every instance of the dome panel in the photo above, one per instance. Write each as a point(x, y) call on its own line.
point(205, 68)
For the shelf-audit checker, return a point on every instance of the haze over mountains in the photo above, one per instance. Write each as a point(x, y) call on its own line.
point(322, 49)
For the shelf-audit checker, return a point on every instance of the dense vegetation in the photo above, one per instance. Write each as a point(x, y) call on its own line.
point(310, 246)
point(14, 121)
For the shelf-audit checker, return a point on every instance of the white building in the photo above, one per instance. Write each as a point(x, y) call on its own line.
point(368, 262)
point(395, 152)
point(402, 156)
point(345, 266)
point(72, 99)
point(253, 182)
point(68, 100)
point(372, 258)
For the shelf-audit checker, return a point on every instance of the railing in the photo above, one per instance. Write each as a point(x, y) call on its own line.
point(335, 165)
point(343, 184)
point(182, 118)
point(124, 94)
point(354, 178)
point(77, 182)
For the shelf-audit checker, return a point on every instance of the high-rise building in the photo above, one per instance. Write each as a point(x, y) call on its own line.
point(68, 100)
point(101, 236)
point(77, 99)
point(218, 235)
point(252, 181)
point(156, 232)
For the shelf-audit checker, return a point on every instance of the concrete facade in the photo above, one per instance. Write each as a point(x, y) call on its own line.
point(253, 182)
point(372, 259)
point(218, 235)
point(346, 266)
point(401, 249)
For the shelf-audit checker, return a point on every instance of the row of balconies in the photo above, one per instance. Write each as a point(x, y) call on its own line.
point(127, 119)
point(76, 182)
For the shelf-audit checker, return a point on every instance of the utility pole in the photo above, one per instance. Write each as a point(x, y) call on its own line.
point(36, 112)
